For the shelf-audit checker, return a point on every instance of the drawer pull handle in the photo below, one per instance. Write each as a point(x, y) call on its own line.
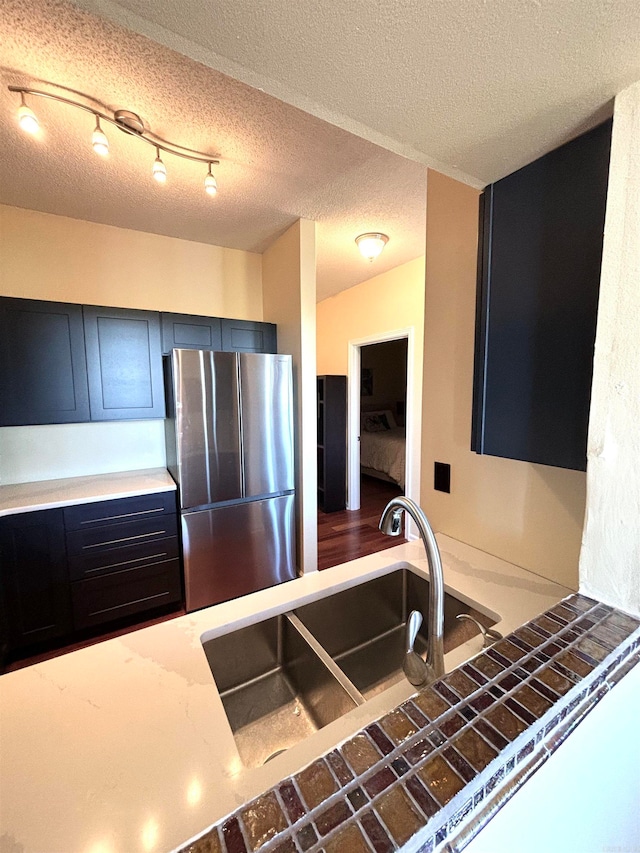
point(124, 515)
point(125, 539)
point(129, 603)
point(126, 563)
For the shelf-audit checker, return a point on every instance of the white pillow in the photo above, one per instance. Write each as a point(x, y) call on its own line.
point(378, 421)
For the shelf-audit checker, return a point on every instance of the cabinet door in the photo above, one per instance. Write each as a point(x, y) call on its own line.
point(540, 252)
point(187, 331)
point(43, 374)
point(124, 362)
point(33, 573)
point(248, 336)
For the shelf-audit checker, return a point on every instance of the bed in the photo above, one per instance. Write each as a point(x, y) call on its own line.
point(382, 447)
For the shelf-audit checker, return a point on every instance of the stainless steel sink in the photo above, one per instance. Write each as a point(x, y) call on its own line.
point(284, 678)
point(363, 628)
point(275, 688)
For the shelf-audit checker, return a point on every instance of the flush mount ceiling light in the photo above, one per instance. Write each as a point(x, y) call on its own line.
point(126, 121)
point(371, 244)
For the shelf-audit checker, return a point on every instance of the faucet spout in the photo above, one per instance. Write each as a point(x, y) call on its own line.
point(390, 523)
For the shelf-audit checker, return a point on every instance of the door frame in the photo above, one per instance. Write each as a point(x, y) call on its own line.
point(412, 416)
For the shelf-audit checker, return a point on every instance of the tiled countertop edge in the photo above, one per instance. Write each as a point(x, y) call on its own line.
point(545, 747)
point(430, 774)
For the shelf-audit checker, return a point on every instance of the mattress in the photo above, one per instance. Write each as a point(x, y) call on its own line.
point(384, 451)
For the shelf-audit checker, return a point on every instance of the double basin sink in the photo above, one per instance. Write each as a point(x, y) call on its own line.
point(282, 679)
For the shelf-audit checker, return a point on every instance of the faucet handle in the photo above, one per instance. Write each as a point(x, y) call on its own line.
point(413, 626)
point(413, 665)
point(489, 636)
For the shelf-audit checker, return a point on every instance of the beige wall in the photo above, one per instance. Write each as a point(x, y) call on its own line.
point(392, 300)
point(43, 256)
point(610, 558)
point(374, 309)
point(531, 515)
point(289, 278)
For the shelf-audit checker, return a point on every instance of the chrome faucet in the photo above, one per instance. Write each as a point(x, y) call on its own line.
point(391, 524)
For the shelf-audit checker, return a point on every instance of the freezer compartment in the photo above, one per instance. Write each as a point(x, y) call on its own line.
point(234, 550)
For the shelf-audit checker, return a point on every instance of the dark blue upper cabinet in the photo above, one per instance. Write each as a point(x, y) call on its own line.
point(65, 363)
point(189, 331)
point(43, 374)
point(248, 336)
point(540, 252)
point(124, 363)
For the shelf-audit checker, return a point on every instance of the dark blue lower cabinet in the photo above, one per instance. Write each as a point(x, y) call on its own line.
point(34, 577)
point(65, 573)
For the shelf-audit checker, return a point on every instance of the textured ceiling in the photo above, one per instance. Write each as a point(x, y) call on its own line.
point(278, 163)
point(474, 88)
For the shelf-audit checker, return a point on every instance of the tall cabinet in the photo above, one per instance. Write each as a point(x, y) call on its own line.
point(540, 253)
point(332, 443)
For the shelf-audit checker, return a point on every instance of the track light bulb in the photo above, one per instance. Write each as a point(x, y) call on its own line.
point(210, 183)
point(99, 140)
point(159, 169)
point(27, 118)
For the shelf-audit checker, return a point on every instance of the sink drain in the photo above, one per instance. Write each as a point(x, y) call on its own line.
point(274, 755)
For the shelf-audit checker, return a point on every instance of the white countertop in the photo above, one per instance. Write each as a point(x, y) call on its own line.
point(124, 746)
point(48, 494)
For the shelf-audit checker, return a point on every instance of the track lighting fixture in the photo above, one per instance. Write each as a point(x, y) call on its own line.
point(99, 140)
point(159, 169)
point(210, 183)
point(126, 121)
point(27, 118)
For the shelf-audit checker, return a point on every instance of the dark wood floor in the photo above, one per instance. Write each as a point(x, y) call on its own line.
point(349, 534)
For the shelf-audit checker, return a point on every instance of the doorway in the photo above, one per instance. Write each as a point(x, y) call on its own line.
point(381, 404)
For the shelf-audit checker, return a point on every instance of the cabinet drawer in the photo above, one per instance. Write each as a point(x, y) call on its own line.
point(105, 540)
point(128, 555)
point(83, 516)
point(123, 593)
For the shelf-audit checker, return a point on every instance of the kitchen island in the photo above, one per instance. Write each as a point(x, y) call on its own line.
point(125, 746)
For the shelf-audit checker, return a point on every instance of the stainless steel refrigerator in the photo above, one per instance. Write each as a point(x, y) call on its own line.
point(229, 439)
